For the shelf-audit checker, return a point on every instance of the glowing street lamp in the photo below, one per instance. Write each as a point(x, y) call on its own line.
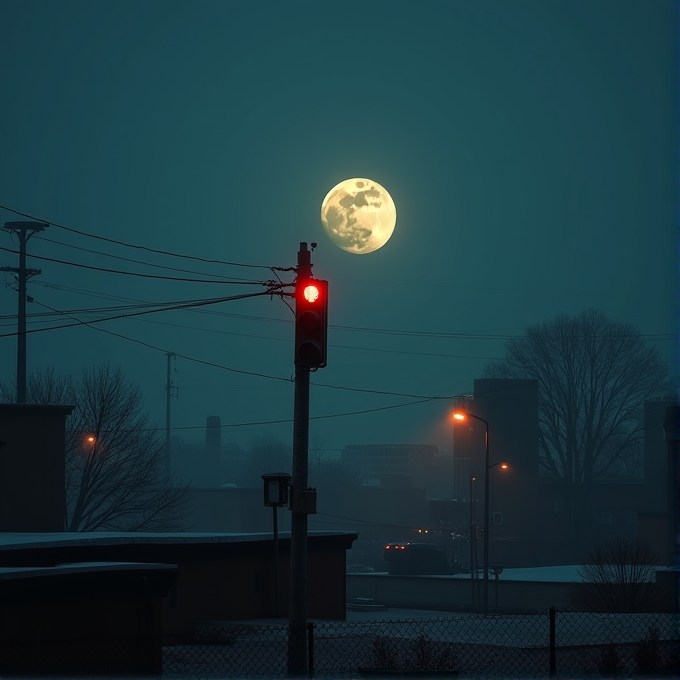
point(459, 415)
point(91, 440)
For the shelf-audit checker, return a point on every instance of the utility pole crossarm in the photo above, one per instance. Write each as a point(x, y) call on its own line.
point(23, 230)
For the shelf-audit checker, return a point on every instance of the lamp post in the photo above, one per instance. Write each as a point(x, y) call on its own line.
point(276, 485)
point(473, 542)
point(485, 592)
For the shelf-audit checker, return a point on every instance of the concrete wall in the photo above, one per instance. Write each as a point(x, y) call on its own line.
point(455, 594)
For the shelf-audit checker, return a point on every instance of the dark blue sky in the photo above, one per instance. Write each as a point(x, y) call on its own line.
point(530, 148)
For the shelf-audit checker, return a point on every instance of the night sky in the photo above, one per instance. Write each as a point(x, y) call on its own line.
point(530, 148)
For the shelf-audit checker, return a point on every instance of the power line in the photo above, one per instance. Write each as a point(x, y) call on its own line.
point(138, 247)
point(420, 398)
point(160, 349)
point(189, 305)
point(358, 329)
point(283, 421)
point(145, 276)
point(127, 259)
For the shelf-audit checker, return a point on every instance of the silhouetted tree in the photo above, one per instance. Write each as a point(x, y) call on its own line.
point(594, 376)
point(116, 476)
point(335, 482)
point(264, 454)
point(617, 577)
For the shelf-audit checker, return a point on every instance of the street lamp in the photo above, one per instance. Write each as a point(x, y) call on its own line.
point(473, 544)
point(461, 416)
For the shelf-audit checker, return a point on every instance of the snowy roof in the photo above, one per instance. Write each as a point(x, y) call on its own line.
point(81, 568)
point(567, 573)
point(10, 541)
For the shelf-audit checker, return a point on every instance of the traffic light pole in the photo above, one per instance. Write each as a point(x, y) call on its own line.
point(297, 626)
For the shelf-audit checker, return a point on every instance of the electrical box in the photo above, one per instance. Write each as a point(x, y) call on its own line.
point(276, 488)
point(304, 501)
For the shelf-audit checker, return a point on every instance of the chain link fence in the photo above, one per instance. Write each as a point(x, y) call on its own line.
point(562, 643)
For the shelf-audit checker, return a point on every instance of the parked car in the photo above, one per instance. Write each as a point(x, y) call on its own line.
point(416, 558)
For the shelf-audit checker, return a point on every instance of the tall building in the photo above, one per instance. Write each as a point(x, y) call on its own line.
point(510, 407)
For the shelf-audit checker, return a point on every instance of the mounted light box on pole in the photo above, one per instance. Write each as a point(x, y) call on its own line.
point(311, 322)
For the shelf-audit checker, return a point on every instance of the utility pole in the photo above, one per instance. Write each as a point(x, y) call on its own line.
point(24, 230)
point(168, 394)
point(297, 627)
point(311, 326)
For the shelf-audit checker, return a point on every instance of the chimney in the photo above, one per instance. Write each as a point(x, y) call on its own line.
point(213, 438)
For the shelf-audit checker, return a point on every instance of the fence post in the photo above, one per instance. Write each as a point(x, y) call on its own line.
point(553, 666)
point(310, 649)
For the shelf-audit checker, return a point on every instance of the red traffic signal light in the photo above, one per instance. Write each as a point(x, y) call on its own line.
point(311, 322)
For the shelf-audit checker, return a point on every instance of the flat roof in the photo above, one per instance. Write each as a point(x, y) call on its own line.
point(12, 541)
point(7, 573)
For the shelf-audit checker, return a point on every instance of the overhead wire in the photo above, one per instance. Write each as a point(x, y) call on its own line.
point(262, 375)
point(420, 398)
point(192, 304)
point(138, 274)
point(160, 349)
point(132, 245)
point(128, 259)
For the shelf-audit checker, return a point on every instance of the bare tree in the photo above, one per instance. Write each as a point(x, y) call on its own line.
point(115, 459)
point(335, 482)
point(594, 376)
point(617, 577)
point(317, 444)
point(264, 454)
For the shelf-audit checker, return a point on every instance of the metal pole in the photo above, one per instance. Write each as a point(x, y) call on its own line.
point(297, 627)
point(298, 530)
point(275, 526)
point(168, 391)
point(552, 661)
point(473, 536)
point(310, 646)
point(486, 518)
point(24, 231)
point(21, 322)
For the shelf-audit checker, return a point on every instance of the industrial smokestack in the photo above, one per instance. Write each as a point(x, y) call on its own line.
point(213, 438)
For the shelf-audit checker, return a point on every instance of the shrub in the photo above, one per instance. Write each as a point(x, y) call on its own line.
point(617, 577)
point(648, 658)
point(609, 662)
point(422, 654)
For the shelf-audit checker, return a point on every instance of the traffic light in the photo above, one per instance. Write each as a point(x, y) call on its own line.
point(311, 322)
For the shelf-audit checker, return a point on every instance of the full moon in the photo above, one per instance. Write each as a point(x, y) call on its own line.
point(358, 215)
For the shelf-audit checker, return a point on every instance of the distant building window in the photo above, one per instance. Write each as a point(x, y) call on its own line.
point(498, 518)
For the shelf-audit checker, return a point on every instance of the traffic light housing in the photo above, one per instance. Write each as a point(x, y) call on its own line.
point(311, 322)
